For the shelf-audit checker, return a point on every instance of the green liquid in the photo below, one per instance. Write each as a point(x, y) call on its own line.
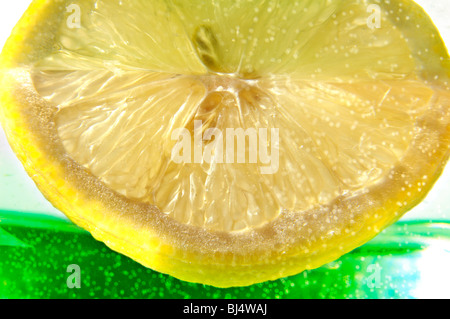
point(408, 260)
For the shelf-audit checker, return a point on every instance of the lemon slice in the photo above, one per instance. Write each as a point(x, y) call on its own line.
point(229, 142)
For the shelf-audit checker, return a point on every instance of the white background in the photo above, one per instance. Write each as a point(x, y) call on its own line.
point(23, 195)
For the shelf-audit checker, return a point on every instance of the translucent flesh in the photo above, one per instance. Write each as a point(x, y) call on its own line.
point(344, 97)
